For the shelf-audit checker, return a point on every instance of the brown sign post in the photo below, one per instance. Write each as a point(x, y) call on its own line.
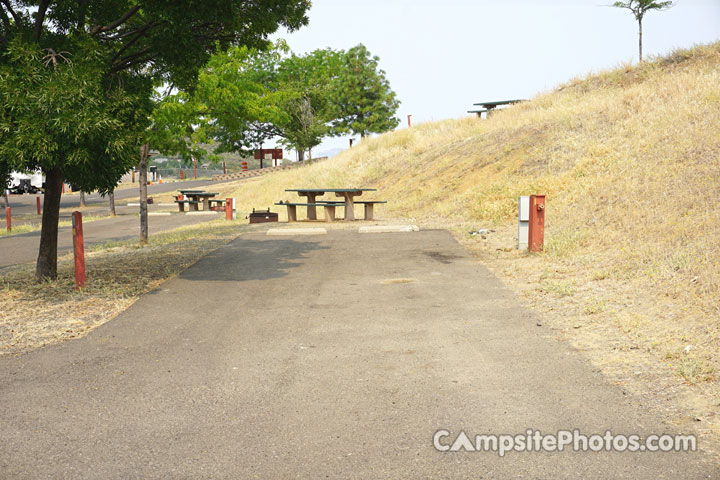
point(228, 209)
point(536, 227)
point(78, 250)
point(276, 153)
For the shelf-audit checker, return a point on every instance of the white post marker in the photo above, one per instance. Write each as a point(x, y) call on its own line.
point(523, 222)
point(234, 209)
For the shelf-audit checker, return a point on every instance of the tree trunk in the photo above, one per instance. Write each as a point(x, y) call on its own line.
point(111, 198)
point(46, 267)
point(640, 39)
point(7, 202)
point(143, 194)
point(83, 204)
point(301, 155)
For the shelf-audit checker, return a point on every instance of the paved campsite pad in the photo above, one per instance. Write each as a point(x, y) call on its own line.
point(333, 356)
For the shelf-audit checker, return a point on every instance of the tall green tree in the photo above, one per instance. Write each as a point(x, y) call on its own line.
point(307, 84)
point(237, 100)
point(246, 97)
point(59, 113)
point(363, 96)
point(639, 8)
point(76, 77)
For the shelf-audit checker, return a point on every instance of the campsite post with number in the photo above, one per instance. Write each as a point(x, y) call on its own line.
point(228, 209)
point(536, 234)
point(79, 250)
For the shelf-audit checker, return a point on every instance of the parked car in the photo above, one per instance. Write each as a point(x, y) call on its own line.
point(20, 183)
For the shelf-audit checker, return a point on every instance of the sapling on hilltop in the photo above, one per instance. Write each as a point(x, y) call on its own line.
point(639, 8)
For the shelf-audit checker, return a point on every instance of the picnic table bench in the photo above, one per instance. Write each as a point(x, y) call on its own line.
point(194, 199)
point(479, 112)
point(330, 206)
point(217, 205)
point(192, 205)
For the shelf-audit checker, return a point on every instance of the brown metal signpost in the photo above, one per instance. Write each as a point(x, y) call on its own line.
point(78, 250)
point(536, 233)
point(277, 154)
point(228, 209)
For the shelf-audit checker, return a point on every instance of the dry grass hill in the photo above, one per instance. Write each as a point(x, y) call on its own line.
point(630, 161)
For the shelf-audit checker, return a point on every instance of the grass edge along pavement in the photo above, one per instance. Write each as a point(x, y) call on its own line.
point(36, 314)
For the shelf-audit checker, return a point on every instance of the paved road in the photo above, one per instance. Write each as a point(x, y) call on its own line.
point(23, 248)
point(26, 204)
point(333, 356)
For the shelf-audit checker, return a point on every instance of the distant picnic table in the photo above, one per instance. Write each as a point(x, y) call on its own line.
point(488, 107)
point(193, 199)
point(348, 195)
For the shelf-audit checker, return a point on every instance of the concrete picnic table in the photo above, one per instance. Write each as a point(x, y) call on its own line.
point(488, 107)
point(347, 193)
point(198, 196)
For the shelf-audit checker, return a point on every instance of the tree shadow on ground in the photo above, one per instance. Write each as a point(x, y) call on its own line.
point(249, 259)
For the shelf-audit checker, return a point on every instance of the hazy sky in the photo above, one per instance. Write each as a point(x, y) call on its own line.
point(443, 56)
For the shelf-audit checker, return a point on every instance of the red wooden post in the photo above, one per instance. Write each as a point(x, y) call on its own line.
point(409, 123)
point(8, 221)
point(38, 206)
point(536, 231)
point(224, 168)
point(63, 187)
point(79, 250)
point(182, 175)
point(228, 208)
point(194, 167)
